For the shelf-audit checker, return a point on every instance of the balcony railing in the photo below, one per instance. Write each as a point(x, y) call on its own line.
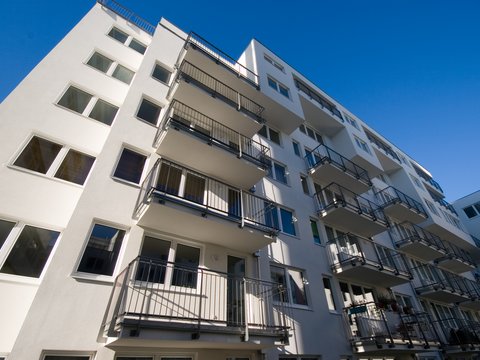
point(391, 195)
point(323, 154)
point(349, 248)
point(128, 15)
point(457, 252)
point(410, 233)
point(428, 179)
point(198, 43)
point(170, 295)
point(370, 323)
point(445, 204)
point(168, 181)
point(312, 94)
point(380, 144)
point(333, 195)
point(183, 117)
point(192, 74)
point(458, 332)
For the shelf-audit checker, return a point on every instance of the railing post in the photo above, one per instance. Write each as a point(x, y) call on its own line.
point(242, 212)
point(239, 101)
point(116, 310)
point(240, 149)
point(245, 308)
point(199, 320)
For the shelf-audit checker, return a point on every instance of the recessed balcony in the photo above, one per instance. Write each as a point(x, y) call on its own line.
point(216, 99)
point(177, 200)
point(375, 330)
point(160, 304)
point(320, 113)
point(209, 146)
point(360, 260)
point(325, 165)
point(458, 336)
point(348, 211)
point(456, 260)
point(416, 241)
point(400, 206)
point(386, 155)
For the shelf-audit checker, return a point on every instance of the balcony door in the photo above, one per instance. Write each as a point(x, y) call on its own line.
point(235, 291)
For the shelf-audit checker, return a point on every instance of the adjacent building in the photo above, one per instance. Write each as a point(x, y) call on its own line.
point(163, 200)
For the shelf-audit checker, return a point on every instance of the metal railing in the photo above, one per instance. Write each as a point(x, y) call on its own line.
point(370, 323)
point(444, 203)
point(183, 117)
point(380, 144)
point(349, 248)
point(428, 179)
point(391, 195)
point(192, 74)
point(323, 154)
point(410, 233)
point(167, 294)
point(207, 195)
point(312, 94)
point(128, 15)
point(456, 331)
point(196, 42)
point(454, 251)
point(333, 195)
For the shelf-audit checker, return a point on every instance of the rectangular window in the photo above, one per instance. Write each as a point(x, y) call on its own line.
point(103, 247)
point(303, 129)
point(432, 207)
point(75, 99)
point(470, 212)
point(288, 225)
point(39, 155)
point(125, 39)
point(270, 134)
point(277, 86)
point(263, 132)
point(280, 172)
point(304, 182)
point(362, 145)
point(161, 74)
point(104, 64)
point(123, 74)
point(329, 294)
point(274, 63)
point(103, 112)
point(296, 148)
point(5, 228)
point(149, 112)
point(130, 166)
point(30, 252)
point(154, 258)
point(137, 46)
point(351, 121)
point(100, 62)
point(417, 182)
point(315, 232)
point(187, 259)
point(292, 284)
point(67, 357)
point(118, 35)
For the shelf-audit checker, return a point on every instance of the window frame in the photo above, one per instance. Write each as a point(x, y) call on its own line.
point(288, 286)
point(361, 144)
point(304, 184)
point(330, 297)
point(113, 66)
point(351, 120)
point(271, 173)
point(164, 67)
point(117, 162)
point(280, 221)
point(274, 63)
point(45, 353)
point(297, 148)
point(128, 41)
point(266, 134)
point(279, 86)
point(314, 221)
point(154, 102)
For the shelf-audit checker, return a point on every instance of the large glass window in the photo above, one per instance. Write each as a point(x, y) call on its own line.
point(130, 166)
point(169, 179)
point(149, 112)
point(280, 172)
point(38, 155)
point(30, 252)
point(100, 255)
point(75, 167)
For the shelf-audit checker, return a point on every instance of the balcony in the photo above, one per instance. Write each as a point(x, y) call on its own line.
point(386, 155)
point(360, 260)
point(321, 113)
point(346, 210)
point(457, 259)
point(436, 284)
point(207, 145)
point(474, 291)
point(416, 241)
point(432, 185)
point(325, 165)
point(177, 200)
point(459, 336)
point(157, 304)
point(400, 206)
point(374, 330)
point(215, 99)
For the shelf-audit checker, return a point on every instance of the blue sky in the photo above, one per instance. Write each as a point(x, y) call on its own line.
point(409, 68)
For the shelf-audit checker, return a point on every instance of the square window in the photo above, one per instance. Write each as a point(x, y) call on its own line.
point(275, 136)
point(100, 255)
point(100, 62)
point(38, 155)
point(315, 232)
point(288, 225)
point(149, 112)
point(272, 83)
point(137, 46)
point(75, 167)
point(30, 252)
point(104, 112)
point(5, 228)
point(161, 74)
point(296, 148)
point(123, 74)
point(75, 99)
point(130, 166)
point(118, 35)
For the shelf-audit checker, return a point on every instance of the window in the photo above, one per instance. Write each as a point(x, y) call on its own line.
point(293, 283)
point(311, 133)
point(432, 207)
point(355, 294)
point(103, 247)
point(327, 285)
point(86, 104)
point(67, 357)
point(270, 134)
point(130, 166)
point(296, 148)
point(274, 63)
point(110, 68)
point(278, 87)
point(472, 210)
point(315, 232)
point(187, 259)
point(417, 182)
point(280, 172)
point(30, 250)
point(302, 129)
point(161, 74)
point(304, 182)
point(125, 39)
point(362, 145)
point(149, 112)
point(40, 155)
point(351, 121)
point(288, 221)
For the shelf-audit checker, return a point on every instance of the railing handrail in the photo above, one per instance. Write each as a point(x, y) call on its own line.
point(418, 231)
point(386, 148)
point(408, 200)
point(128, 15)
point(320, 99)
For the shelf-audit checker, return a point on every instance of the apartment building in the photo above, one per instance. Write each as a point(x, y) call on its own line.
point(163, 200)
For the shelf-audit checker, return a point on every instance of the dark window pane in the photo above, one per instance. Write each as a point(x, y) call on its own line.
point(137, 46)
point(315, 233)
point(271, 215)
point(296, 148)
point(310, 133)
point(297, 287)
point(280, 174)
point(100, 62)
point(123, 74)
point(272, 83)
point(38, 155)
point(161, 74)
point(263, 131)
point(149, 112)
point(277, 275)
point(304, 182)
point(118, 35)
point(169, 179)
point(103, 112)
point(287, 221)
point(130, 166)
point(67, 357)
point(136, 358)
point(470, 212)
point(194, 188)
point(75, 167)
point(186, 263)
point(275, 136)
point(302, 129)
point(153, 262)
point(30, 252)
point(5, 228)
point(75, 99)
point(283, 90)
point(101, 253)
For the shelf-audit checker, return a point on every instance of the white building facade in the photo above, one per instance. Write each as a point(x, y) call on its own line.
point(162, 200)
